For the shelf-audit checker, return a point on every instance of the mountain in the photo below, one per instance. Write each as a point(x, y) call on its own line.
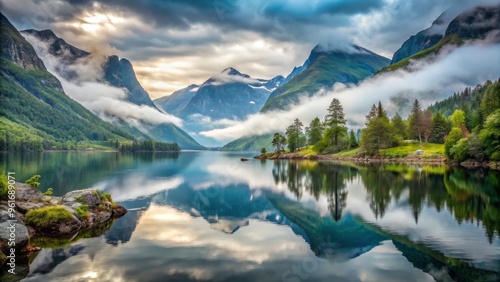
point(251, 143)
point(35, 111)
point(326, 66)
point(481, 23)
point(118, 73)
point(230, 95)
point(177, 100)
point(420, 41)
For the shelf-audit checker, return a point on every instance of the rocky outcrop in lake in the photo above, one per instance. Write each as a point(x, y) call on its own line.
point(36, 217)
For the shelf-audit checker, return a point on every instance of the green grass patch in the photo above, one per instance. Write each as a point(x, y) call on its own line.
point(47, 215)
point(307, 152)
point(430, 150)
point(347, 154)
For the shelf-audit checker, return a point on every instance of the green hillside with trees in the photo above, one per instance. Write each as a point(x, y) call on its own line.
point(466, 126)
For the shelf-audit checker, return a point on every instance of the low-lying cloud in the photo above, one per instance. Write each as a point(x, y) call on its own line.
point(450, 71)
point(85, 87)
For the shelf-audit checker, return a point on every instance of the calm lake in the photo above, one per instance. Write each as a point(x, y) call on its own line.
point(207, 216)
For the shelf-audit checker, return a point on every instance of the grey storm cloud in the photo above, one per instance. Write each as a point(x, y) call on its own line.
point(182, 42)
point(282, 20)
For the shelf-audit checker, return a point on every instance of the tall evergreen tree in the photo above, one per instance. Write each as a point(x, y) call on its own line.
point(415, 122)
point(379, 134)
point(399, 126)
point(427, 125)
point(294, 135)
point(438, 129)
point(353, 143)
point(371, 115)
point(314, 131)
point(335, 120)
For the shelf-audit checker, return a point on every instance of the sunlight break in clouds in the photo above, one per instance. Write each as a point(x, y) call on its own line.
point(452, 71)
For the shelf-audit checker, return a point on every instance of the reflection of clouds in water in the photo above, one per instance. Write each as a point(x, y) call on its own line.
point(137, 185)
point(170, 244)
point(258, 177)
point(438, 230)
point(184, 230)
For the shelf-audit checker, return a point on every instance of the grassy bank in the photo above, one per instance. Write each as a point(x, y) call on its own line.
point(407, 150)
point(430, 151)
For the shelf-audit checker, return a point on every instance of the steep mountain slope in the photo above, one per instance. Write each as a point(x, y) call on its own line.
point(120, 73)
point(252, 143)
point(326, 66)
point(177, 100)
point(230, 95)
point(117, 73)
point(34, 104)
point(420, 41)
point(478, 23)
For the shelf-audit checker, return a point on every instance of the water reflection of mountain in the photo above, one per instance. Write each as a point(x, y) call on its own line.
point(66, 171)
point(47, 259)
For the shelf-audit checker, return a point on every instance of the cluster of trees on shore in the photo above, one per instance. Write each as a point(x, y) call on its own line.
point(11, 143)
point(468, 124)
point(476, 123)
point(148, 146)
point(328, 136)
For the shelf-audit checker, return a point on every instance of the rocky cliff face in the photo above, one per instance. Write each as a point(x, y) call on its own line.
point(120, 73)
point(14, 48)
point(476, 23)
point(58, 47)
point(415, 44)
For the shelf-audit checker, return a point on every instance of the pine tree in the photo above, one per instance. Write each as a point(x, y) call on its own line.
point(399, 126)
point(438, 129)
point(335, 120)
point(314, 131)
point(371, 115)
point(427, 125)
point(294, 135)
point(415, 124)
point(353, 143)
point(379, 134)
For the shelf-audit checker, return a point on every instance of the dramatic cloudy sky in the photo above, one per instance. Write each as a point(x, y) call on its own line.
point(175, 43)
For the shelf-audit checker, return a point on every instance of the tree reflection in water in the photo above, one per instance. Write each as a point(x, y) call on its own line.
point(470, 195)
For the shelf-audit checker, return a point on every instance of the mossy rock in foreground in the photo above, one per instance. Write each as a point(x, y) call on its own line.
point(53, 221)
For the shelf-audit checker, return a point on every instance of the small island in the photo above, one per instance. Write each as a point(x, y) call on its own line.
point(30, 219)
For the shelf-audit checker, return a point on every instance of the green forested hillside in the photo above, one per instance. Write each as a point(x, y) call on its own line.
point(251, 143)
point(469, 25)
point(325, 69)
point(35, 112)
